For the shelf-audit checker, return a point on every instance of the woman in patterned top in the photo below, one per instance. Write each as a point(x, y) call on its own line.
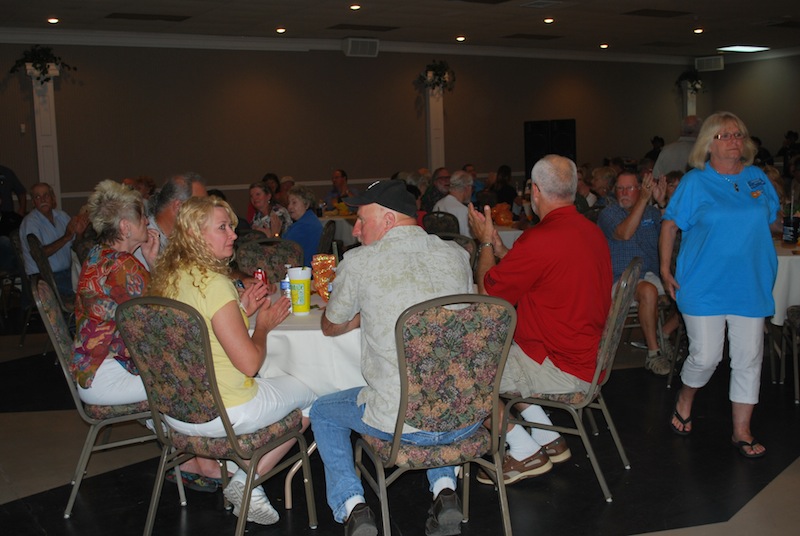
point(270, 218)
point(110, 275)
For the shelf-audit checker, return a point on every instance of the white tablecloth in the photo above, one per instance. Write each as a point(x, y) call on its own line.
point(344, 228)
point(786, 291)
point(508, 235)
point(326, 364)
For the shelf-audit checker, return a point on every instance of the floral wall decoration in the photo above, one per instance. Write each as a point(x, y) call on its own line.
point(437, 75)
point(692, 79)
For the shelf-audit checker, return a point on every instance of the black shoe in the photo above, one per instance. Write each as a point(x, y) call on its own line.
point(445, 515)
point(360, 522)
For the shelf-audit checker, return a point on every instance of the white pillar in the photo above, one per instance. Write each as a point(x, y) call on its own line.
point(434, 105)
point(44, 110)
point(689, 99)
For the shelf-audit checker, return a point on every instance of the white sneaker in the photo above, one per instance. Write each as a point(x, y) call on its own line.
point(260, 510)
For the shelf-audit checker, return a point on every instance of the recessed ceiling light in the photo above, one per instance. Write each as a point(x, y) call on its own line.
point(743, 48)
point(698, 30)
point(549, 20)
point(53, 20)
point(461, 38)
point(280, 30)
point(604, 45)
point(355, 7)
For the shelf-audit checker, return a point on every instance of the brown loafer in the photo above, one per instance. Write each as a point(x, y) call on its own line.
point(514, 471)
point(558, 450)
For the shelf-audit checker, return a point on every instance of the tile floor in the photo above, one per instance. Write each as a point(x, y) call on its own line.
point(681, 486)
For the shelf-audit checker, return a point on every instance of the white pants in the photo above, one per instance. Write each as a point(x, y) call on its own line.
point(275, 399)
point(113, 385)
point(745, 346)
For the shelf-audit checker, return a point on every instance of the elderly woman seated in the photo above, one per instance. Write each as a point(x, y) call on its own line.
point(306, 229)
point(194, 270)
point(110, 275)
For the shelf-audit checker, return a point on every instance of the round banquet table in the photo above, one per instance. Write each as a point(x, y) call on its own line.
point(786, 290)
point(298, 348)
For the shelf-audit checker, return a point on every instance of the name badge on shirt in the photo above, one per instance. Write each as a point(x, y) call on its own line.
point(755, 186)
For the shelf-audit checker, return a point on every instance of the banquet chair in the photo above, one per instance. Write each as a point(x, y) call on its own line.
point(169, 342)
point(575, 403)
point(664, 307)
point(326, 239)
point(465, 242)
point(269, 254)
point(440, 222)
point(443, 345)
point(46, 273)
point(97, 417)
point(791, 331)
point(26, 298)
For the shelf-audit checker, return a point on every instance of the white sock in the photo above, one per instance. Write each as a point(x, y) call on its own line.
point(536, 414)
point(520, 443)
point(441, 484)
point(352, 502)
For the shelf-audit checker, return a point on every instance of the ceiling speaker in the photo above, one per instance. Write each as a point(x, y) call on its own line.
point(709, 63)
point(359, 47)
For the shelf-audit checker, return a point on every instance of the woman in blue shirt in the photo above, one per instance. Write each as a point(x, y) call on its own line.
point(725, 269)
point(306, 229)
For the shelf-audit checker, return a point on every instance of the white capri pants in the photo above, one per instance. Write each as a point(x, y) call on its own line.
point(745, 346)
point(113, 385)
point(275, 399)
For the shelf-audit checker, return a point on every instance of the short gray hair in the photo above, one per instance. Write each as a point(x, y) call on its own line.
point(556, 177)
point(176, 187)
point(460, 180)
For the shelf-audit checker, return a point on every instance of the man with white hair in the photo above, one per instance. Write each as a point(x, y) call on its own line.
point(397, 266)
point(455, 202)
point(558, 275)
point(675, 156)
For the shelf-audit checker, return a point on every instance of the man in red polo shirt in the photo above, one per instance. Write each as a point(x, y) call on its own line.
point(558, 275)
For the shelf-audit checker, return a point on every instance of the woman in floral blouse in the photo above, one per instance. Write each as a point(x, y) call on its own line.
point(111, 275)
point(270, 218)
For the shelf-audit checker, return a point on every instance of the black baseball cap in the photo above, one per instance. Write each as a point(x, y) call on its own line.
point(389, 194)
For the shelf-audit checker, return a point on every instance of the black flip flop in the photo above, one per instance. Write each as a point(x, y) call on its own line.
point(684, 422)
point(740, 445)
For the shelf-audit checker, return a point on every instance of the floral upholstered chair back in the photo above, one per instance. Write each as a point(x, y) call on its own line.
point(271, 255)
point(45, 271)
point(168, 341)
point(612, 333)
point(451, 357)
point(54, 319)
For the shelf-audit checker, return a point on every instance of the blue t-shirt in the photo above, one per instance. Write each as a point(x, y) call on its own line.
point(306, 231)
point(643, 243)
point(727, 261)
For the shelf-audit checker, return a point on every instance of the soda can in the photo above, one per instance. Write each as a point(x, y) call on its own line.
point(261, 275)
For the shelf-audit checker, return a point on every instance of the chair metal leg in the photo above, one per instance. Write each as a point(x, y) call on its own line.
point(592, 422)
point(157, 486)
point(308, 483)
point(83, 461)
point(465, 469)
point(590, 453)
point(613, 430)
point(794, 363)
point(287, 483)
point(501, 492)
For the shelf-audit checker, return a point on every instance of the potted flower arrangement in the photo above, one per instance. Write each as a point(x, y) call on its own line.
point(37, 60)
point(437, 75)
point(692, 79)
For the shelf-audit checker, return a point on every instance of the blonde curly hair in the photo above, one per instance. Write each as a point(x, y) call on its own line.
point(188, 250)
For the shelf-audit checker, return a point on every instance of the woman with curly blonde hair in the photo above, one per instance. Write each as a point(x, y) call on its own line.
point(194, 270)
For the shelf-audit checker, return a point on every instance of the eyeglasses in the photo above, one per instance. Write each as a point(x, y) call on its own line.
point(726, 136)
point(626, 188)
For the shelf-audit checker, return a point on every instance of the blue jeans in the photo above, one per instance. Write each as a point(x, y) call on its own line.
point(333, 417)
